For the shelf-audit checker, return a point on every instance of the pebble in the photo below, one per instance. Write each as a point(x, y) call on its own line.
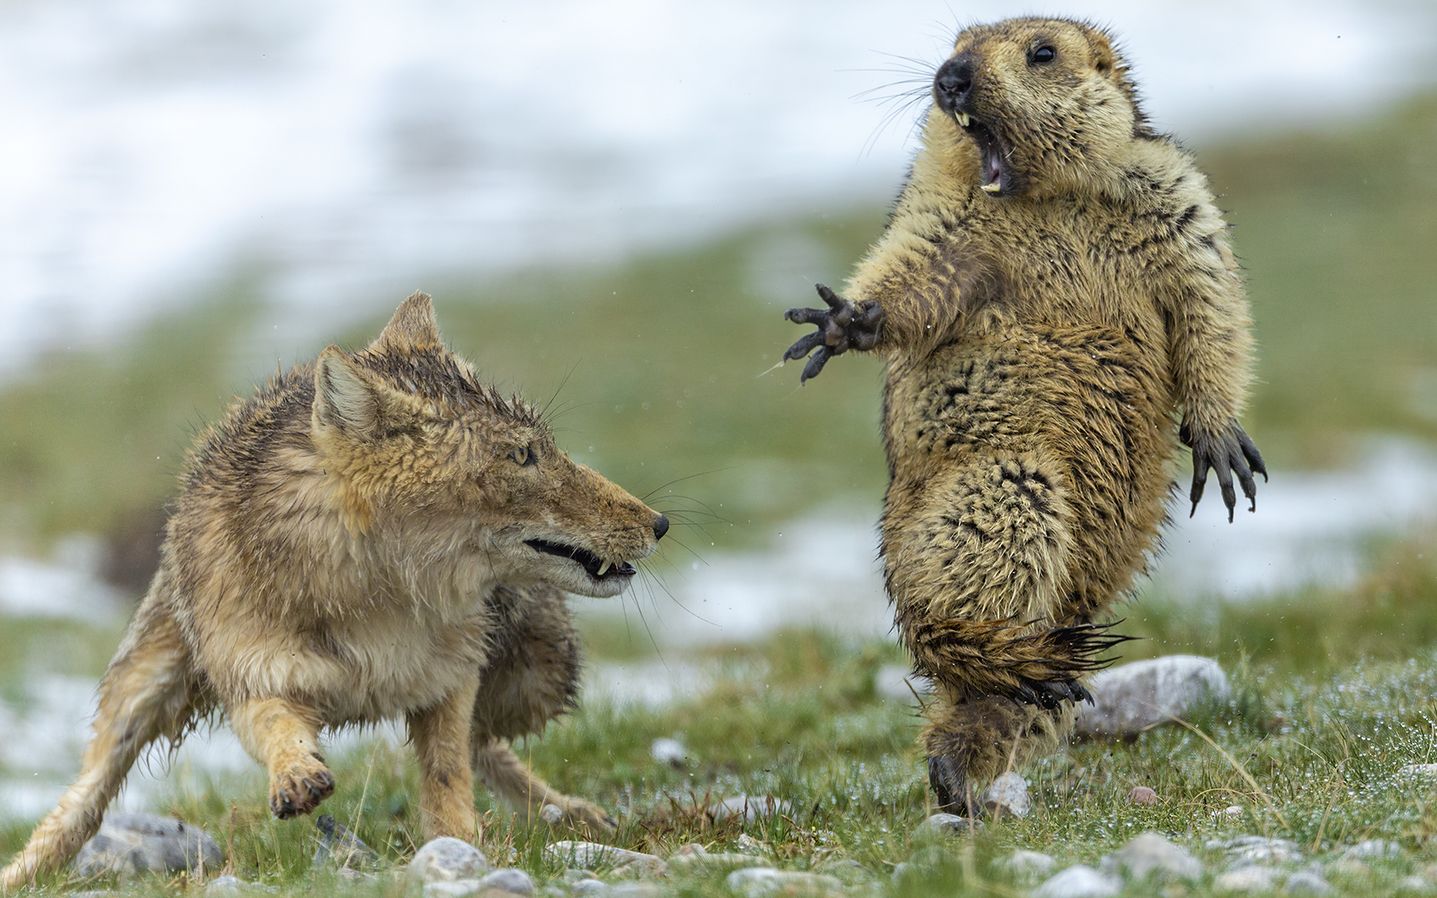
point(1248, 879)
point(749, 845)
point(1306, 882)
point(1080, 881)
point(1134, 697)
point(589, 886)
point(1142, 796)
point(509, 879)
point(1414, 885)
point(595, 854)
point(723, 860)
point(1150, 855)
point(1245, 850)
point(754, 882)
point(1027, 866)
point(447, 859)
point(128, 844)
point(670, 752)
point(635, 890)
point(340, 846)
point(458, 888)
point(227, 885)
point(946, 824)
point(1373, 849)
point(750, 807)
point(1008, 795)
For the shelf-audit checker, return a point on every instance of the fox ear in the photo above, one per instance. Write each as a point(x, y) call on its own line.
point(413, 325)
point(345, 397)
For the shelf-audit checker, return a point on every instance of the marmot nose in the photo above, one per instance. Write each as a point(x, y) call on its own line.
point(953, 80)
point(661, 526)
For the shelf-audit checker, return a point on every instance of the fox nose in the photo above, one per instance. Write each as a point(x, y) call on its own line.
point(661, 526)
point(953, 81)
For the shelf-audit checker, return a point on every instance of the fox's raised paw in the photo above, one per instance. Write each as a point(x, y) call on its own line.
point(580, 814)
point(300, 789)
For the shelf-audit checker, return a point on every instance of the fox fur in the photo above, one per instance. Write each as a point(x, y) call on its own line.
point(373, 535)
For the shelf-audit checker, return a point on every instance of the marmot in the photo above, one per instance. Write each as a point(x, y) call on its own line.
point(1054, 291)
point(374, 534)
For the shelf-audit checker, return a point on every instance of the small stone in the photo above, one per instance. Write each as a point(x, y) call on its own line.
point(589, 886)
point(669, 752)
point(551, 814)
point(849, 871)
point(1351, 868)
point(750, 808)
point(946, 824)
point(1027, 866)
point(689, 849)
point(226, 885)
point(574, 874)
point(510, 879)
point(1135, 697)
point(1373, 849)
point(724, 860)
point(1419, 770)
point(447, 859)
point(749, 845)
point(596, 854)
point(1232, 811)
point(1142, 796)
point(638, 889)
point(1150, 855)
point(1008, 795)
point(1413, 885)
point(1246, 850)
point(1306, 882)
point(128, 844)
point(340, 847)
point(457, 888)
point(756, 882)
point(1248, 879)
point(1079, 881)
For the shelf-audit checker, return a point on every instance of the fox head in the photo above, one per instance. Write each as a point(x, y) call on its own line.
point(426, 453)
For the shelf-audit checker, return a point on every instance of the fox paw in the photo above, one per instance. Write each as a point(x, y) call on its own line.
point(1227, 453)
point(841, 327)
point(300, 788)
point(579, 814)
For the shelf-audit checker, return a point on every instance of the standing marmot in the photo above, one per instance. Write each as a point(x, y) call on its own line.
point(1054, 287)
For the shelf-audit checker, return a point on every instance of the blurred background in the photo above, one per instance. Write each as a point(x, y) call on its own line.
point(614, 203)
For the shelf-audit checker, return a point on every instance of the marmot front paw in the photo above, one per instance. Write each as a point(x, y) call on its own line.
point(1225, 452)
point(841, 327)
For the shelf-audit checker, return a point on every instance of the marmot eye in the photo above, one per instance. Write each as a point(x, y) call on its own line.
point(523, 455)
point(1043, 54)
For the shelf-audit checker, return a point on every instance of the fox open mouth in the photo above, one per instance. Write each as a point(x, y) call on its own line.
point(993, 156)
point(592, 564)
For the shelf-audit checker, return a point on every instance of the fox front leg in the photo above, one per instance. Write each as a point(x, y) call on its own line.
point(841, 327)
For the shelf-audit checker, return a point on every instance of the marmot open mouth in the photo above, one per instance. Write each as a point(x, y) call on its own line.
point(992, 155)
point(592, 564)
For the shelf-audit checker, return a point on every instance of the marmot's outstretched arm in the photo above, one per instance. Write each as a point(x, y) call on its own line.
point(1210, 349)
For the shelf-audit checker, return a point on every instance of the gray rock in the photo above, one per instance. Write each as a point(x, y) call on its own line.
point(510, 879)
point(749, 845)
point(1134, 697)
point(1306, 882)
point(596, 854)
point(128, 844)
point(946, 824)
point(901, 870)
point(1080, 881)
point(1248, 850)
point(756, 882)
point(340, 847)
point(589, 887)
point(849, 871)
point(1008, 795)
point(457, 888)
point(1150, 855)
point(1413, 885)
point(447, 859)
point(1373, 849)
point(1027, 866)
point(574, 874)
point(638, 889)
point(670, 753)
point(1248, 879)
point(750, 807)
point(227, 885)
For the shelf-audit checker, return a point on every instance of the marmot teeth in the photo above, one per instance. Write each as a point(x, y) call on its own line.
point(962, 118)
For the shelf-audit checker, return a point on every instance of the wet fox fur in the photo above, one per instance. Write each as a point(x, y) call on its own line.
point(1055, 288)
point(372, 535)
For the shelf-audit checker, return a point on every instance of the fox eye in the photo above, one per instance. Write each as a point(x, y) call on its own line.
point(523, 455)
point(1042, 54)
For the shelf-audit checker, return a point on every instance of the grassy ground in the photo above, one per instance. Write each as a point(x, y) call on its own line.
point(1334, 692)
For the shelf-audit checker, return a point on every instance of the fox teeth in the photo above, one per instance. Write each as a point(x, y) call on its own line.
point(962, 118)
point(604, 568)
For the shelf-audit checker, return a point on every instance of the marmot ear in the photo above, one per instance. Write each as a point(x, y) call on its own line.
point(345, 397)
point(1105, 58)
point(413, 325)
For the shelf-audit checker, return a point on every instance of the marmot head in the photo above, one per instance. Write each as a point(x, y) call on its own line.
point(1034, 106)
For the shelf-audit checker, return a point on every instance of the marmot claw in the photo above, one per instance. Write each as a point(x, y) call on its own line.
point(1049, 694)
point(1225, 453)
point(841, 327)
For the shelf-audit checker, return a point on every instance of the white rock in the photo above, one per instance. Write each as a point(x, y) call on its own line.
point(1008, 795)
point(723, 860)
point(756, 882)
point(128, 844)
point(1152, 855)
point(1350, 868)
point(946, 824)
point(1248, 879)
point(635, 890)
point(750, 807)
point(551, 814)
point(1246, 850)
point(456, 888)
point(1413, 885)
point(1306, 882)
point(447, 859)
point(589, 887)
point(1373, 849)
point(898, 683)
point(509, 879)
point(227, 885)
point(595, 854)
point(1133, 697)
point(1027, 866)
point(669, 752)
point(1080, 881)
